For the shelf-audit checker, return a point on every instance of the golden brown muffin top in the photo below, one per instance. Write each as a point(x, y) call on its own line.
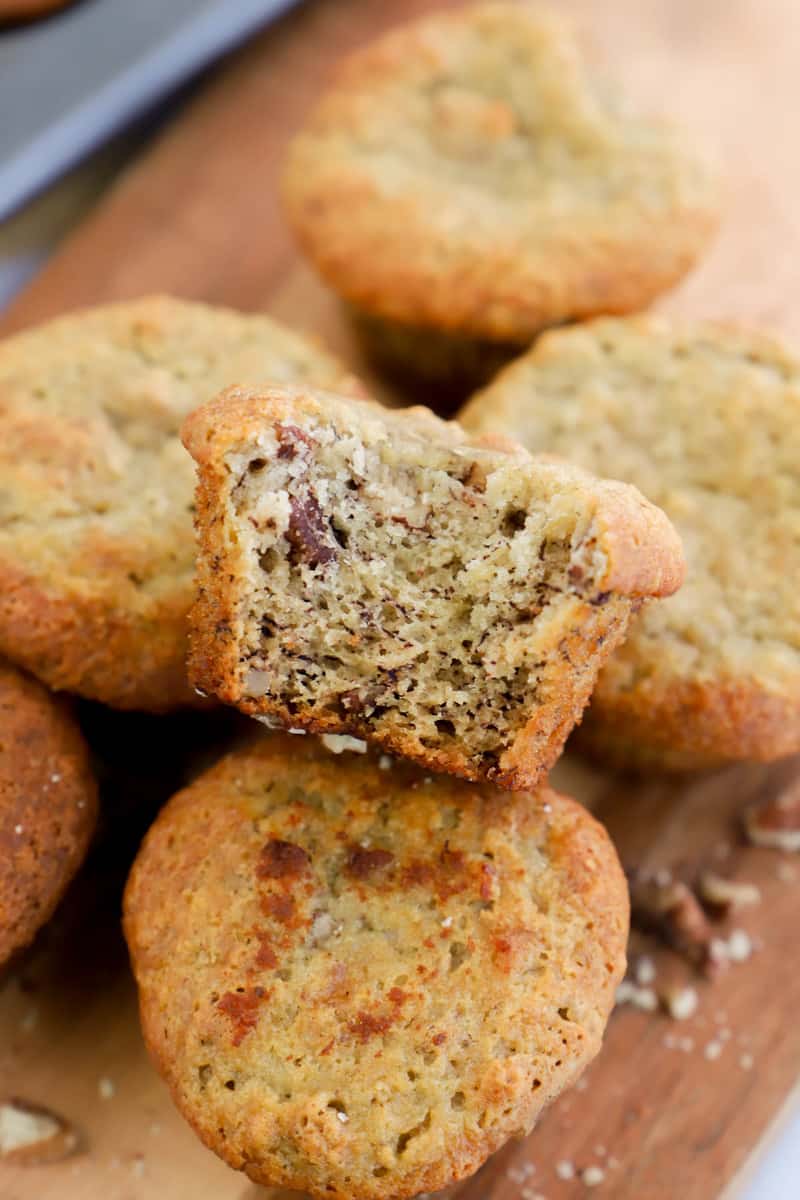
point(704, 419)
point(360, 980)
point(471, 172)
point(96, 545)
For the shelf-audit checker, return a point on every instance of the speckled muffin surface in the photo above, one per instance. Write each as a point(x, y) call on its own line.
point(96, 544)
point(380, 573)
point(469, 173)
point(48, 806)
point(705, 420)
point(359, 980)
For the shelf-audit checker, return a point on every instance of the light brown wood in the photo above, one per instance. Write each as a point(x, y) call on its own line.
point(197, 214)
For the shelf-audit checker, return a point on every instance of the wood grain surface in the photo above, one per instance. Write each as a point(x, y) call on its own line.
point(671, 1110)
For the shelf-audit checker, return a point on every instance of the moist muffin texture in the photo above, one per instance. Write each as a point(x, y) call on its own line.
point(48, 806)
point(704, 419)
point(469, 173)
point(359, 980)
point(96, 546)
point(379, 573)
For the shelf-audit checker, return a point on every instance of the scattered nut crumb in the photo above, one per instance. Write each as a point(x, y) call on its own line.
point(137, 1167)
point(106, 1089)
point(593, 1176)
point(33, 1136)
point(726, 895)
point(342, 1116)
point(17, 830)
point(775, 823)
point(640, 997)
point(565, 1169)
point(385, 762)
point(645, 970)
point(713, 1050)
point(746, 1062)
point(337, 743)
point(740, 946)
point(680, 1002)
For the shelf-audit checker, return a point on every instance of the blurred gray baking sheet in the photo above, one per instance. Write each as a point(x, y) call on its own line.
point(67, 82)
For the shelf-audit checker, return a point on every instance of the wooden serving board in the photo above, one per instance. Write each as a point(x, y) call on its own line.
point(670, 1110)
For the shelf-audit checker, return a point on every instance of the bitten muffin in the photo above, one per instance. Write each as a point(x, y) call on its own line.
point(378, 573)
point(96, 546)
point(359, 980)
point(706, 421)
point(469, 174)
point(48, 806)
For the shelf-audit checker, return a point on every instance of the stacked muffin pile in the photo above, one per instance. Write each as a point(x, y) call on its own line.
point(365, 961)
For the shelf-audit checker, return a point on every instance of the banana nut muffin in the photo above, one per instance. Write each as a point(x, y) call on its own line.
point(96, 546)
point(468, 173)
point(381, 574)
point(48, 806)
point(704, 419)
point(359, 980)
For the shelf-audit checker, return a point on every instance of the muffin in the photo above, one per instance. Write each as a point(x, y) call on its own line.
point(705, 420)
point(96, 547)
point(380, 574)
point(468, 178)
point(358, 980)
point(48, 806)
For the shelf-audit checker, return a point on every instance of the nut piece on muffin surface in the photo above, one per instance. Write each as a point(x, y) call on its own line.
point(96, 546)
point(705, 420)
point(379, 573)
point(361, 981)
point(48, 806)
point(470, 174)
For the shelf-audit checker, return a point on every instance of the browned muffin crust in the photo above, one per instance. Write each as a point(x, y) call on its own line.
point(359, 980)
point(48, 806)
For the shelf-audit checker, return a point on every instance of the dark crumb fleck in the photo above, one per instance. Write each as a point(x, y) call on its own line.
point(242, 1009)
point(280, 859)
point(366, 1025)
point(362, 863)
point(266, 956)
point(279, 906)
point(293, 441)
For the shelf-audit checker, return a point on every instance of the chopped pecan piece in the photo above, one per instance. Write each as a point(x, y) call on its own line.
point(775, 823)
point(33, 1136)
point(293, 441)
point(308, 533)
point(671, 911)
point(722, 896)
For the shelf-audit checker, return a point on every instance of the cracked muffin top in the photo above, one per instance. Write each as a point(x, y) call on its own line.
point(48, 806)
point(360, 980)
point(96, 545)
point(704, 419)
point(470, 173)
